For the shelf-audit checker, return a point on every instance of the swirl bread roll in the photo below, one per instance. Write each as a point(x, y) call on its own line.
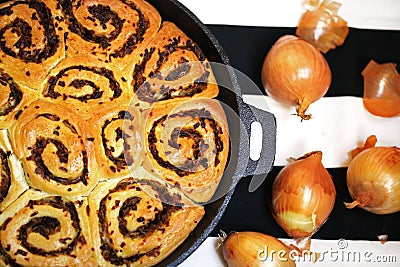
point(187, 145)
point(112, 31)
point(13, 98)
point(31, 40)
point(93, 93)
point(12, 179)
point(86, 84)
point(56, 151)
point(117, 143)
point(173, 67)
point(41, 230)
point(133, 228)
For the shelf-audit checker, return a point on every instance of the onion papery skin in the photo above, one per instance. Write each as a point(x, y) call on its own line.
point(303, 196)
point(373, 180)
point(295, 73)
point(255, 249)
point(381, 89)
point(322, 26)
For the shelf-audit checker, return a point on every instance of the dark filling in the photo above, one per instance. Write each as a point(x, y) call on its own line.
point(49, 116)
point(103, 14)
point(14, 97)
point(23, 47)
point(146, 93)
point(124, 159)
point(70, 126)
point(136, 38)
point(46, 226)
point(53, 81)
point(5, 182)
point(190, 166)
point(178, 72)
point(62, 153)
point(160, 222)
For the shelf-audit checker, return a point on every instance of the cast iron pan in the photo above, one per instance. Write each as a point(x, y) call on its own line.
point(240, 165)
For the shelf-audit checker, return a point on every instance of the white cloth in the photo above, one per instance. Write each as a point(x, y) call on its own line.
point(338, 125)
point(365, 14)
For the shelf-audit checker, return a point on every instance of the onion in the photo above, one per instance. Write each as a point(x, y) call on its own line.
point(321, 26)
point(381, 89)
point(373, 180)
point(295, 73)
point(303, 196)
point(255, 249)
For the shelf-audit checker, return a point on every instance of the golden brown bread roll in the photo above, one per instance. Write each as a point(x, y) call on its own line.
point(170, 68)
point(13, 98)
point(117, 143)
point(56, 152)
point(41, 230)
point(32, 41)
point(187, 145)
point(133, 228)
point(112, 31)
point(93, 93)
point(86, 84)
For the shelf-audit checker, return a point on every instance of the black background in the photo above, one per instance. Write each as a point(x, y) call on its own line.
point(246, 48)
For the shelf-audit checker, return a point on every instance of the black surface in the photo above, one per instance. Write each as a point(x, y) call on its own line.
point(246, 47)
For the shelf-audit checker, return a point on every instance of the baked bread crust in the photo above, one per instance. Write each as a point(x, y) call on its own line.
point(86, 84)
point(83, 176)
point(172, 67)
point(33, 40)
point(111, 31)
point(115, 132)
point(187, 145)
point(42, 230)
point(139, 222)
point(13, 98)
point(53, 144)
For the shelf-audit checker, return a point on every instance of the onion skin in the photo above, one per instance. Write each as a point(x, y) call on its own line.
point(249, 249)
point(373, 180)
point(322, 26)
point(303, 196)
point(295, 73)
point(381, 89)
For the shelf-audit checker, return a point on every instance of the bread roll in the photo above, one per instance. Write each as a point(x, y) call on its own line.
point(110, 139)
point(32, 40)
point(172, 67)
point(132, 227)
point(187, 145)
point(42, 230)
point(56, 151)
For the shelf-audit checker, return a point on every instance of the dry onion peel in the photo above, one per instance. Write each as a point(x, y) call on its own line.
point(322, 26)
point(255, 249)
point(370, 142)
point(303, 196)
point(381, 89)
point(373, 180)
point(295, 73)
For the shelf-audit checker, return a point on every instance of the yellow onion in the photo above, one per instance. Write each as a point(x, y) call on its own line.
point(373, 180)
point(255, 249)
point(381, 89)
point(295, 73)
point(303, 196)
point(322, 26)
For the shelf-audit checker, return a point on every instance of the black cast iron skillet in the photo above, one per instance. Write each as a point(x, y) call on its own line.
point(240, 165)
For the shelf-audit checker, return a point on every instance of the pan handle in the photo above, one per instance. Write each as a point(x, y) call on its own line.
point(260, 167)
